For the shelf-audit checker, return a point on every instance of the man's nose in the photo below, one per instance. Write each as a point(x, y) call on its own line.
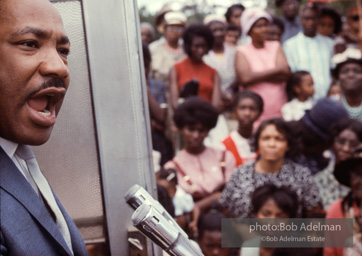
point(53, 64)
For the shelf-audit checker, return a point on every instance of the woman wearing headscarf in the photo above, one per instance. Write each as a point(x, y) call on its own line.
point(261, 65)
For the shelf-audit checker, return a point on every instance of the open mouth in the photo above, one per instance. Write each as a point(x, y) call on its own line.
point(42, 105)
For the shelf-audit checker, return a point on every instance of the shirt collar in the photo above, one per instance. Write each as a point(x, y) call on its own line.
point(8, 146)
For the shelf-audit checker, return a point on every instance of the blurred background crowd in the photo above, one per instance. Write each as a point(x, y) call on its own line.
point(257, 112)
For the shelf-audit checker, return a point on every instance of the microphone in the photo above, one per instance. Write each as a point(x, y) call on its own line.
point(137, 195)
point(148, 218)
point(151, 218)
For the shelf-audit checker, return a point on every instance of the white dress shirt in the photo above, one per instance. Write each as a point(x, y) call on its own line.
point(10, 149)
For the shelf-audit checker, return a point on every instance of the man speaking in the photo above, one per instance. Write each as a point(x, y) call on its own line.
point(34, 78)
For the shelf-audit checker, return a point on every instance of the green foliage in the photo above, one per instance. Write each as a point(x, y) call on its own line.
point(145, 15)
point(342, 6)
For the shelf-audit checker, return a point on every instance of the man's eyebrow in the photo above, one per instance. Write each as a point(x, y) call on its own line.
point(30, 30)
point(39, 33)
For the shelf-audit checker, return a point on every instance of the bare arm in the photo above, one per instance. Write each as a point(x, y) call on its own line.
point(216, 93)
point(174, 93)
point(158, 113)
point(247, 77)
point(193, 223)
point(205, 203)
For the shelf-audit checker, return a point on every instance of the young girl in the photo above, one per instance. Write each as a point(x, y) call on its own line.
point(247, 106)
point(232, 34)
point(270, 201)
point(300, 89)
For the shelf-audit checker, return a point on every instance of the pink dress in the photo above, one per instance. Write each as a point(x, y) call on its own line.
point(204, 171)
point(273, 95)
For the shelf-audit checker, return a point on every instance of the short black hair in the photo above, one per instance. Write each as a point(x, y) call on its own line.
point(294, 80)
point(197, 30)
point(285, 198)
point(282, 127)
point(278, 22)
point(329, 11)
point(308, 6)
point(230, 10)
point(343, 124)
point(195, 110)
point(279, 3)
point(251, 95)
point(233, 27)
point(168, 174)
point(210, 221)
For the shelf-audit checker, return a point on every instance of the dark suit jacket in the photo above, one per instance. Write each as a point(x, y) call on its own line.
point(26, 227)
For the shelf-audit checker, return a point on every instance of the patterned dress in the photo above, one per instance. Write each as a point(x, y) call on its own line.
point(236, 196)
point(329, 188)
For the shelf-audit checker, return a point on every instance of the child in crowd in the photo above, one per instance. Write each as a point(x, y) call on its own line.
point(247, 106)
point(209, 239)
point(334, 92)
point(270, 201)
point(186, 214)
point(300, 89)
point(276, 29)
point(232, 34)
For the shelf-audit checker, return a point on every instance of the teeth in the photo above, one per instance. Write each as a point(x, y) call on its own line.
point(45, 112)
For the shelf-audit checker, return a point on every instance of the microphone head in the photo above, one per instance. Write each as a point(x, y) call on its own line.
point(140, 214)
point(131, 192)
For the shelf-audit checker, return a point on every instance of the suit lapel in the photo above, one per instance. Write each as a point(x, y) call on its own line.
point(77, 240)
point(14, 183)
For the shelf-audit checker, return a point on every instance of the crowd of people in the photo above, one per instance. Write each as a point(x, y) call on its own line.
point(254, 115)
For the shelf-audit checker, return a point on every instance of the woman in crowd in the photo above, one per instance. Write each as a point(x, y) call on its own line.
point(233, 14)
point(275, 143)
point(201, 171)
point(261, 65)
point(167, 50)
point(348, 72)
point(312, 131)
point(348, 173)
point(344, 138)
point(198, 40)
